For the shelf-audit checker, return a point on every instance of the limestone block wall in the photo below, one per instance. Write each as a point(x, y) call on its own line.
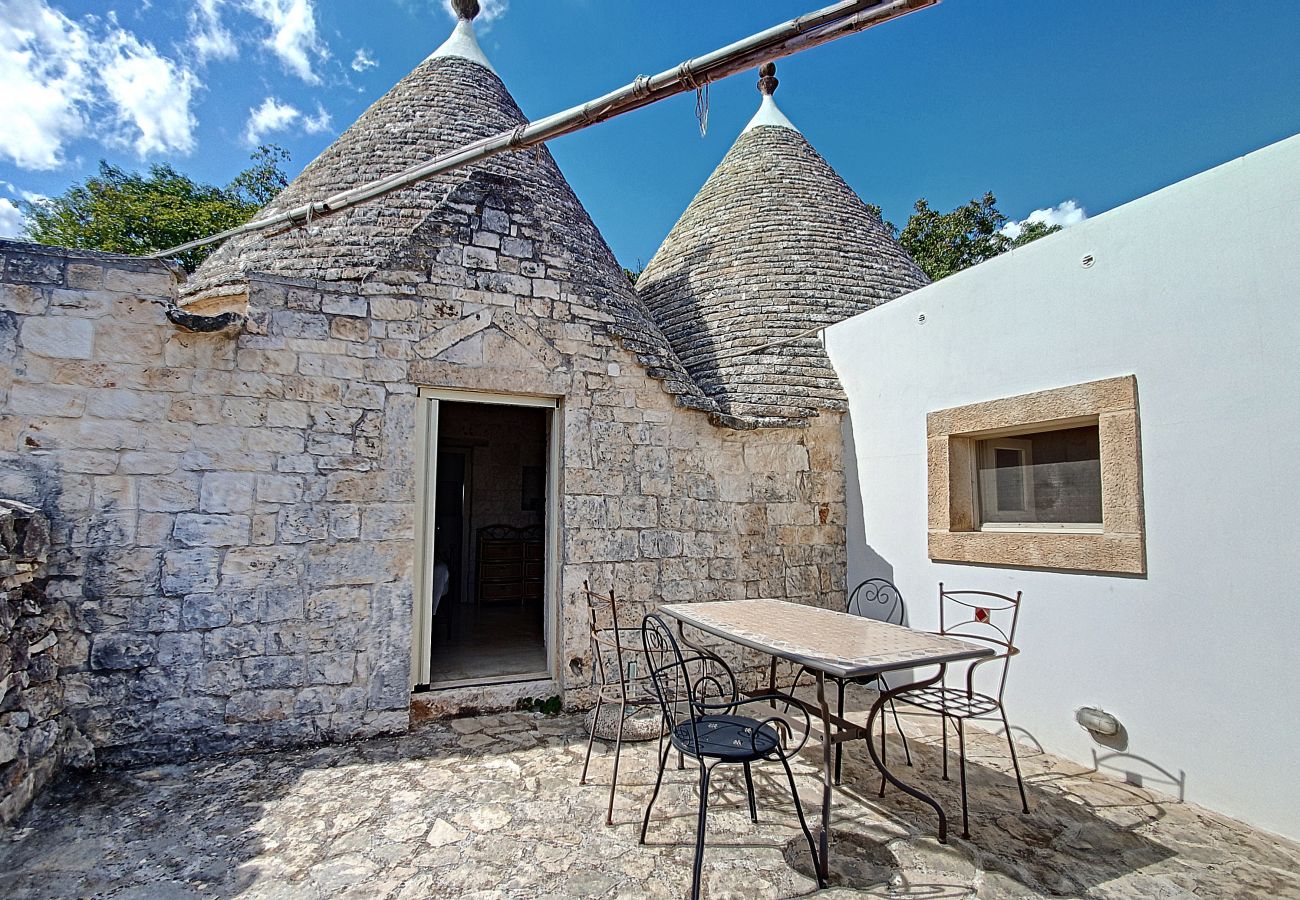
point(232, 513)
point(37, 641)
point(225, 599)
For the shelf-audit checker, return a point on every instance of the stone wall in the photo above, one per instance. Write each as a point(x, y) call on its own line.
point(37, 641)
point(232, 513)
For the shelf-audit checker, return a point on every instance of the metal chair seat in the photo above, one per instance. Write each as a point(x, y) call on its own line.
point(954, 702)
point(729, 738)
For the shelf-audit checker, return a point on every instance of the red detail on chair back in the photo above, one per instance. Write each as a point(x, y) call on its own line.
point(981, 614)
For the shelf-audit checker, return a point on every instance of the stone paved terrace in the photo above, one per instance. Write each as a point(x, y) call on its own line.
point(491, 807)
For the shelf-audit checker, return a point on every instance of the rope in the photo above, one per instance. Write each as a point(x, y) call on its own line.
point(687, 76)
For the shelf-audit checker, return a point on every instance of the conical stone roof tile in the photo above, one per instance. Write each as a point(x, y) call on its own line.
point(451, 99)
point(773, 245)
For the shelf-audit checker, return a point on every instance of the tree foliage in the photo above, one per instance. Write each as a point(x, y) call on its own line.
point(141, 213)
point(945, 243)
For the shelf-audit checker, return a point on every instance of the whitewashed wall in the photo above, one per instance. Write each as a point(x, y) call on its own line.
point(1196, 291)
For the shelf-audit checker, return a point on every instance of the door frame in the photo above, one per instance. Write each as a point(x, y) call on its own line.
point(426, 483)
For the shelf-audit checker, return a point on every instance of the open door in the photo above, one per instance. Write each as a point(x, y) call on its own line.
point(485, 532)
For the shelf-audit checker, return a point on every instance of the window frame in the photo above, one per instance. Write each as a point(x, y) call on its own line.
point(1117, 545)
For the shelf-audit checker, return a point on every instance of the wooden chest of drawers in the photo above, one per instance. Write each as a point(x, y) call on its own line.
point(511, 565)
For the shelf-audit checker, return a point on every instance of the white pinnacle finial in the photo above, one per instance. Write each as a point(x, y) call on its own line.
point(463, 42)
point(768, 112)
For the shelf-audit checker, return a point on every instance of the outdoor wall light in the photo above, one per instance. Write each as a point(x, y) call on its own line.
point(1098, 721)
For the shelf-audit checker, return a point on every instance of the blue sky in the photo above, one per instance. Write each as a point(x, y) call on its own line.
point(1040, 101)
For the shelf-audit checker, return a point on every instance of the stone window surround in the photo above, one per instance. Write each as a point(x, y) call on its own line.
point(951, 435)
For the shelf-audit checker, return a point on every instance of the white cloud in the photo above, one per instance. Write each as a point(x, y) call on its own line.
point(152, 95)
point(489, 10)
point(294, 37)
point(208, 36)
point(274, 115)
point(319, 122)
point(11, 219)
point(60, 74)
point(363, 60)
point(1065, 214)
point(46, 68)
point(293, 34)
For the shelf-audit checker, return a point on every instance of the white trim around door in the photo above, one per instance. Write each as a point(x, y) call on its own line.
point(426, 481)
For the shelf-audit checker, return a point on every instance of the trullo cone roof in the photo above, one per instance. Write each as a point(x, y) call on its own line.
point(451, 99)
point(773, 245)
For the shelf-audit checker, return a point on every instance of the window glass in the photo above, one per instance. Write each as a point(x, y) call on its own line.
point(1044, 478)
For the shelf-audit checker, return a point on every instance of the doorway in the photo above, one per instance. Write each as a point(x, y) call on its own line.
point(484, 527)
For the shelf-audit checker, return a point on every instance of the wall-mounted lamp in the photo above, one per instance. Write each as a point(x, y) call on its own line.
point(1098, 721)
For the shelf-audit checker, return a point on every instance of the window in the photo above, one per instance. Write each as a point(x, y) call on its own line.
point(1045, 480)
point(1042, 480)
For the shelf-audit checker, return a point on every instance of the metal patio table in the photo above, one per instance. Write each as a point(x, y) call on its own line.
point(832, 643)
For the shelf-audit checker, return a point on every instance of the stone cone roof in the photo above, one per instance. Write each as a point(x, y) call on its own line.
point(774, 244)
point(447, 102)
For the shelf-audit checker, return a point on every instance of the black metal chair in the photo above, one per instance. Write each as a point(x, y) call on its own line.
point(699, 699)
point(875, 598)
point(987, 618)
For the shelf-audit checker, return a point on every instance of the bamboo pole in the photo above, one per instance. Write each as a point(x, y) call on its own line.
point(821, 27)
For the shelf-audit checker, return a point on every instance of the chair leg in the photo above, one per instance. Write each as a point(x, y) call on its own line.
point(839, 748)
point(618, 749)
point(803, 823)
point(749, 789)
point(907, 751)
point(961, 762)
point(699, 831)
point(659, 780)
point(943, 723)
point(882, 754)
point(591, 738)
point(1011, 745)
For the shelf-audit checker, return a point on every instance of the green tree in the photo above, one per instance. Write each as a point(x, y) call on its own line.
point(141, 213)
point(944, 243)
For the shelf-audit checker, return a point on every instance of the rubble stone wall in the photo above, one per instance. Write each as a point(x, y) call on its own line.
point(232, 513)
point(37, 643)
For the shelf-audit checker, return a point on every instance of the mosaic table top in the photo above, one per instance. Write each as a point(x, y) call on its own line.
point(822, 639)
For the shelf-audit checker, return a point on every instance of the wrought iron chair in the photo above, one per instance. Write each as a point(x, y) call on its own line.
point(875, 598)
point(616, 657)
point(699, 699)
point(983, 617)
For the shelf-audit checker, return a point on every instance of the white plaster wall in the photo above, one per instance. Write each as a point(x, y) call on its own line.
point(1196, 291)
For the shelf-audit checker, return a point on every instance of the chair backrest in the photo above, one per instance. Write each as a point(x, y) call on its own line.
point(615, 647)
point(684, 685)
point(877, 598)
point(985, 617)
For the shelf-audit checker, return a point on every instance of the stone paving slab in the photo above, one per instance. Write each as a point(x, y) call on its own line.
point(491, 807)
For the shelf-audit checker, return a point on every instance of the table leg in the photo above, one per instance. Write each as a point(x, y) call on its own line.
point(771, 681)
point(824, 857)
point(876, 708)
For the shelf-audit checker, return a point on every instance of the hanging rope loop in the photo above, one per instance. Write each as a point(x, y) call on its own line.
point(686, 73)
